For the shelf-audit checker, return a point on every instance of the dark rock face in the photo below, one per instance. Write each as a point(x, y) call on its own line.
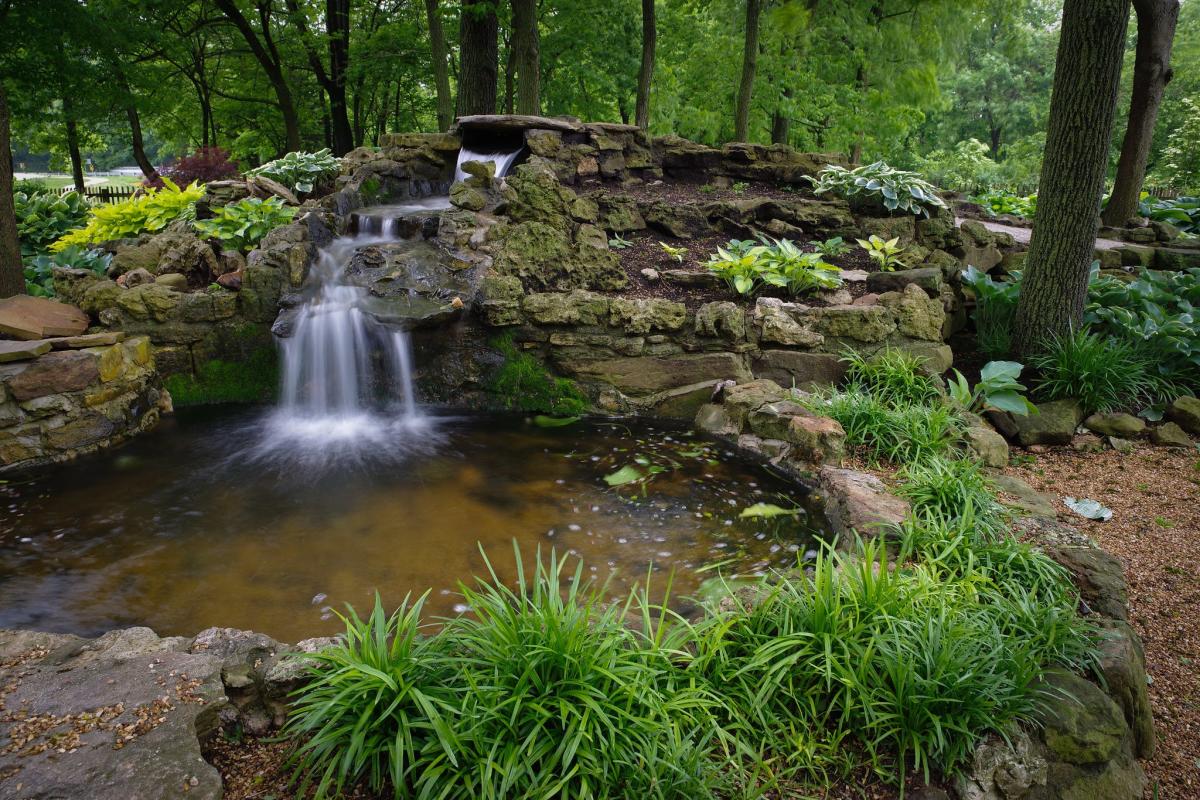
point(55, 373)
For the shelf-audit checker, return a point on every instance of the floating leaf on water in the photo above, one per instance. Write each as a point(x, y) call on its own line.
point(542, 421)
point(625, 475)
point(767, 511)
point(1089, 509)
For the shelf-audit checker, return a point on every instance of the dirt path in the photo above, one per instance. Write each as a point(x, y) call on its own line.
point(1021, 235)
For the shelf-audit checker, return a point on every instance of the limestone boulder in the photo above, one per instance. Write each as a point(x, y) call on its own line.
point(721, 320)
point(1082, 724)
point(566, 308)
point(866, 324)
point(1054, 423)
point(1115, 424)
point(805, 371)
point(639, 316)
point(988, 446)
point(1170, 434)
point(918, 315)
point(644, 375)
point(857, 502)
point(54, 373)
point(1185, 412)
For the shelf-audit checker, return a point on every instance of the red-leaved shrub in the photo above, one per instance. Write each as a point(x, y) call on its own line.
point(204, 165)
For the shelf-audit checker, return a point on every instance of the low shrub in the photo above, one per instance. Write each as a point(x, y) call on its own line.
point(204, 165)
point(1104, 373)
point(1001, 202)
point(747, 266)
point(39, 270)
point(242, 225)
point(966, 167)
point(152, 210)
point(894, 189)
point(300, 172)
point(43, 217)
point(523, 384)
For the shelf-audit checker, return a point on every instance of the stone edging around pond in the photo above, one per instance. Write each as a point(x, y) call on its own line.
point(127, 714)
point(61, 398)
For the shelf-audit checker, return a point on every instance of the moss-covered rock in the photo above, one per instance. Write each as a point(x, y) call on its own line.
point(721, 320)
point(643, 316)
point(917, 314)
point(546, 256)
point(566, 308)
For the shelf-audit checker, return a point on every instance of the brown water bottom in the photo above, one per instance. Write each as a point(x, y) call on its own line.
point(195, 525)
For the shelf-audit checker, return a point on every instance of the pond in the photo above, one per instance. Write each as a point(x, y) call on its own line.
point(200, 524)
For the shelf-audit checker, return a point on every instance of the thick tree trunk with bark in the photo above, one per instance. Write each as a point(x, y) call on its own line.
point(12, 276)
point(741, 127)
point(781, 123)
point(337, 26)
point(1151, 73)
point(477, 36)
point(441, 74)
point(646, 71)
point(1086, 80)
point(527, 51)
point(268, 58)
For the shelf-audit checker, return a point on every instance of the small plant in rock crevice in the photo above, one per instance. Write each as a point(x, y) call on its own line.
point(747, 266)
point(886, 253)
point(522, 383)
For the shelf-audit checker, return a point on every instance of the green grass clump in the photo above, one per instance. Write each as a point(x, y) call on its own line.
point(1103, 373)
point(523, 384)
point(892, 377)
point(951, 490)
point(900, 434)
point(253, 380)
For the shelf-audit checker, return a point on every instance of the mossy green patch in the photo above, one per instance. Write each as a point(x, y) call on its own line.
point(524, 384)
point(253, 380)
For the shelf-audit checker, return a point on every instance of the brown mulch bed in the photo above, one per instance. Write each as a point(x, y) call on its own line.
point(1155, 531)
point(646, 251)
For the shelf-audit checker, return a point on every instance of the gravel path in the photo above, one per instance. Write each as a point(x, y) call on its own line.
point(1155, 530)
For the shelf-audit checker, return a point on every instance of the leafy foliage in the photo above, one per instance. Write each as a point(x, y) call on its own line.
point(899, 434)
point(152, 210)
point(1182, 212)
point(998, 388)
point(243, 224)
point(300, 172)
point(43, 217)
point(894, 189)
point(831, 248)
point(523, 384)
point(891, 376)
point(1001, 202)
point(746, 267)
point(204, 165)
point(965, 167)
point(995, 310)
point(952, 490)
point(885, 253)
point(1104, 373)
point(39, 270)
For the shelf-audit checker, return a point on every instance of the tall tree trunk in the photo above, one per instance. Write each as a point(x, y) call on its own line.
point(73, 144)
point(12, 276)
point(509, 101)
point(139, 148)
point(337, 26)
point(441, 75)
point(781, 122)
point(646, 71)
point(1151, 73)
point(272, 65)
point(741, 127)
point(1086, 81)
point(527, 47)
point(479, 54)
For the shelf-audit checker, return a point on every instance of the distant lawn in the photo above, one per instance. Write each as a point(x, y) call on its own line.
point(59, 181)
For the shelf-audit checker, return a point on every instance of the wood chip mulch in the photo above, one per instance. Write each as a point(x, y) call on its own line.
point(1155, 531)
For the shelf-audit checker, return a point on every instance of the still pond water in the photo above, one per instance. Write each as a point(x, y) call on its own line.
point(199, 524)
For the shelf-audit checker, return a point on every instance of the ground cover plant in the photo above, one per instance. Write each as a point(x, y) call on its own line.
point(242, 225)
point(44, 216)
point(39, 270)
point(523, 384)
point(747, 266)
point(1182, 212)
point(999, 201)
point(152, 210)
point(893, 189)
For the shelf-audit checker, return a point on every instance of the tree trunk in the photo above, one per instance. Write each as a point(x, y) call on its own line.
point(1086, 81)
point(139, 148)
point(441, 76)
point(508, 102)
point(781, 123)
point(479, 56)
point(337, 26)
point(646, 71)
point(527, 47)
point(12, 276)
point(73, 145)
point(271, 64)
point(741, 128)
point(1151, 73)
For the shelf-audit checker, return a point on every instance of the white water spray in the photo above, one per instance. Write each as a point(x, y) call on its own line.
point(502, 159)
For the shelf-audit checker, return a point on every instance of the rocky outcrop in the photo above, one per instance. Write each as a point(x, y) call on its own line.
point(61, 398)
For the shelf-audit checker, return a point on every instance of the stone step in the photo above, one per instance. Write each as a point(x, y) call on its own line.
point(24, 317)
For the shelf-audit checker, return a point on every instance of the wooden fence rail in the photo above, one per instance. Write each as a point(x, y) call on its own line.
point(105, 194)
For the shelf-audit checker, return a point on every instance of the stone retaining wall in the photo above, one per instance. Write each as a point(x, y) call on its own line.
point(61, 398)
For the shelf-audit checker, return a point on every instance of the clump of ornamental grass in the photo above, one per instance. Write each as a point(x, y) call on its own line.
point(900, 434)
point(1104, 373)
point(892, 377)
point(950, 489)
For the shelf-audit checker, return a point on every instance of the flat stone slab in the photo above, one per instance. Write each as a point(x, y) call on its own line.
point(517, 122)
point(87, 340)
point(28, 318)
point(23, 351)
point(114, 718)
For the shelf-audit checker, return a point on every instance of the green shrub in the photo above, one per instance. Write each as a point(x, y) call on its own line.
point(891, 376)
point(899, 434)
point(1102, 372)
point(966, 167)
point(152, 210)
point(243, 224)
point(43, 217)
point(523, 384)
point(39, 270)
point(953, 490)
point(1182, 212)
point(995, 311)
point(747, 266)
point(894, 189)
point(300, 172)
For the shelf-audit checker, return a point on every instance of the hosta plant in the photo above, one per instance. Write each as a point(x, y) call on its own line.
point(39, 269)
point(785, 265)
point(243, 224)
point(831, 248)
point(150, 211)
point(740, 271)
point(1002, 202)
point(42, 217)
point(998, 388)
point(300, 172)
point(885, 253)
point(1182, 212)
point(894, 189)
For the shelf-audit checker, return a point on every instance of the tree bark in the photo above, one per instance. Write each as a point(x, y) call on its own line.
point(12, 275)
point(268, 59)
point(139, 147)
point(527, 47)
point(781, 123)
point(441, 75)
point(479, 54)
point(1086, 81)
point(741, 128)
point(646, 71)
point(73, 144)
point(1151, 73)
point(337, 26)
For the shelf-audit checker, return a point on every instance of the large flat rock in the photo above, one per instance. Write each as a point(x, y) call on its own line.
point(643, 375)
point(22, 350)
point(516, 122)
point(114, 718)
point(24, 317)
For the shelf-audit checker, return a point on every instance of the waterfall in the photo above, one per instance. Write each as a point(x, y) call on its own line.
point(503, 160)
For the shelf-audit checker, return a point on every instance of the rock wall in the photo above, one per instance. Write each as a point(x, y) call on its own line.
point(61, 398)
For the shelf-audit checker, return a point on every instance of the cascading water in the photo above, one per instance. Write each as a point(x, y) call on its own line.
point(503, 159)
